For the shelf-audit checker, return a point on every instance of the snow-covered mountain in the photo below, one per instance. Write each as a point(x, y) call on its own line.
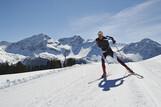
point(75, 42)
point(146, 48)
point(34, 45)
point(77, 86)
point(8, 57)
point(43, 46)
point(80, 48)
point(4, 44)
point(88, 49)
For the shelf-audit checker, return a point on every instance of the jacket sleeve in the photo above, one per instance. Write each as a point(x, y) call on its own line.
point(111, 38)
point(97, 43)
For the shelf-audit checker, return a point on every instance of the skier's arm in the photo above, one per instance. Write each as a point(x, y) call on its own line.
point(96, 41)
point(111, 38)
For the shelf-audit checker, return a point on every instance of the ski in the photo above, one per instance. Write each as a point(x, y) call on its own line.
point(104, 78)
point(134, 73)
point(137, 75)
point(95, 80)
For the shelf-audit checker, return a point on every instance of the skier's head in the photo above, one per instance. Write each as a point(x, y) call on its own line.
point(100, 34)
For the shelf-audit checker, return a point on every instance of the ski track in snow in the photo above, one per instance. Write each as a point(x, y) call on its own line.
point(70, 88)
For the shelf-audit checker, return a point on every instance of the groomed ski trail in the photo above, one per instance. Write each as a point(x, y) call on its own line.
point(70, 88)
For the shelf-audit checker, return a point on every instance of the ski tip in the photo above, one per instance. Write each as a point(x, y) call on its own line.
point(138, 76)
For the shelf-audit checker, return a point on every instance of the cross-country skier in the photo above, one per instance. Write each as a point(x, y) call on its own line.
point(102, 42)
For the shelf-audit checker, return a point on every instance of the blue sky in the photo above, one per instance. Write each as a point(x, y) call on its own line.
point(126, 20)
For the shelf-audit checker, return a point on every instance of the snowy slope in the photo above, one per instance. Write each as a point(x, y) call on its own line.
point(70, 88)
point(146, 48)
point(10, 57)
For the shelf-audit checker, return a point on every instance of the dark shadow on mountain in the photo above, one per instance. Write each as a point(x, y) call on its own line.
point(106, 85)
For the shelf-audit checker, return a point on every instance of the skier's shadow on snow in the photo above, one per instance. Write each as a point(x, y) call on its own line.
point(106, 85)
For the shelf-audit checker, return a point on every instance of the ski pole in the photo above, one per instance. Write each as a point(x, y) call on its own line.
point(123, 56)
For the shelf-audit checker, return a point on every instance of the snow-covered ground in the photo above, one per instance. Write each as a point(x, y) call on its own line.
point(69, 87)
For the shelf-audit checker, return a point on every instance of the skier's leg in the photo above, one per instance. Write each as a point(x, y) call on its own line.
point(114, 56)
point(103, 65)
point(123, 64)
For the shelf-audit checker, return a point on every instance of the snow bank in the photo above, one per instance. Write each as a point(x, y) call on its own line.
point(15, 79)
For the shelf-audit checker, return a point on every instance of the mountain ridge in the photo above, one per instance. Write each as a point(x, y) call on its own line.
point(42, 45)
